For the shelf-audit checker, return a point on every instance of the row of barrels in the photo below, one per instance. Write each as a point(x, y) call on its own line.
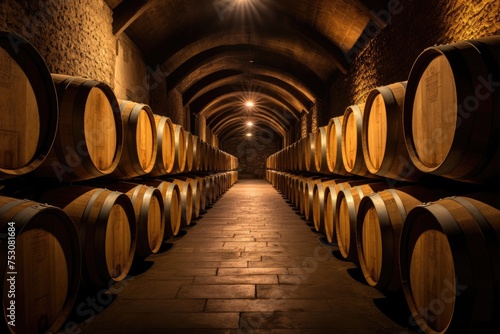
point(442, 247)
point(73, 128)
point(89, 236)
point(442, 121)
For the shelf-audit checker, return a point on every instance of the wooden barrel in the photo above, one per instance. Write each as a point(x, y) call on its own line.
point(320, 144)
point(189, 152)
point(273, 177)
point(277, 162)
point(277, 180)
point(171, 195)
point(208, 193)
point(223, 182)
point(197, 190)
point(215, 159)
point(149, 214)
point(205, 156)
point(270, 177)
point(318, 204)
point(379, 222)
point(328, 148)
point(234, 177)
point(216, 187)
point(309, 153)
point(352, 148)
point(218, 160)
point(186, 192)
point(296, 190)
point(209, 156)
point(180, 149)
point(308, 196)
point(287, 183)
point(106, 226)
point(223, 161)
point(29, 114)
point(383, 143)
point(235, 163)
point(331, 196)
point(202, 192)
point(299, 196)
point(450, 264)
point(346, 216)
point(334, 147)
point(451, 118)
point(196, 153)
point(284, 183)
point(89, 137)
point(47, 263)
point(274, 161)
point(165, 153)
point(293, 183)
point(280, 182)
point(139, 143)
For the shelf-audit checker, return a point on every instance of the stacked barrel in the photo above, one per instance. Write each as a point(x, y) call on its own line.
point(115, 180)
point(371, 175)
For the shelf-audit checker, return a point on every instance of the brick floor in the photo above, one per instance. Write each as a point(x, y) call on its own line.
point(251, 264)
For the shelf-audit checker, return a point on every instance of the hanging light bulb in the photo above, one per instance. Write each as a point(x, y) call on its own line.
point(250, 104)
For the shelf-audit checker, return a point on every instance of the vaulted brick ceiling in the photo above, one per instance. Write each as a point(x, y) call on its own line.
point(284, 54)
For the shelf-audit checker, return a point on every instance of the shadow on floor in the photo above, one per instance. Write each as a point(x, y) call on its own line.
point(357, 275)
point(166, 247)
point(394, 306)
point(336, 254)
point(140, 267)
point(88, 304)
point(191, 224)
point(181, 233)
point(324, 241)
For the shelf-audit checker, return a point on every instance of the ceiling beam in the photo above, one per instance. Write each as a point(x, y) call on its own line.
point(262, 57)
point(227, 113)
point(233, 130)
point(127, 12)
point(283, 35)
point(285, 99)
point(206, 81)
point(242, 80)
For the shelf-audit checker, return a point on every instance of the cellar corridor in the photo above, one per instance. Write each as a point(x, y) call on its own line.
point(251, 264)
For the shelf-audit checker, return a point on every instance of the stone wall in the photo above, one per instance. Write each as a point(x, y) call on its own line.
point(415, 25)
point(131, 78)
point(75, 37)
point(253, 152)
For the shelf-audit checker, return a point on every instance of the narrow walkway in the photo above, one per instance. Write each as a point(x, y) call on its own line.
point(250, 265)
